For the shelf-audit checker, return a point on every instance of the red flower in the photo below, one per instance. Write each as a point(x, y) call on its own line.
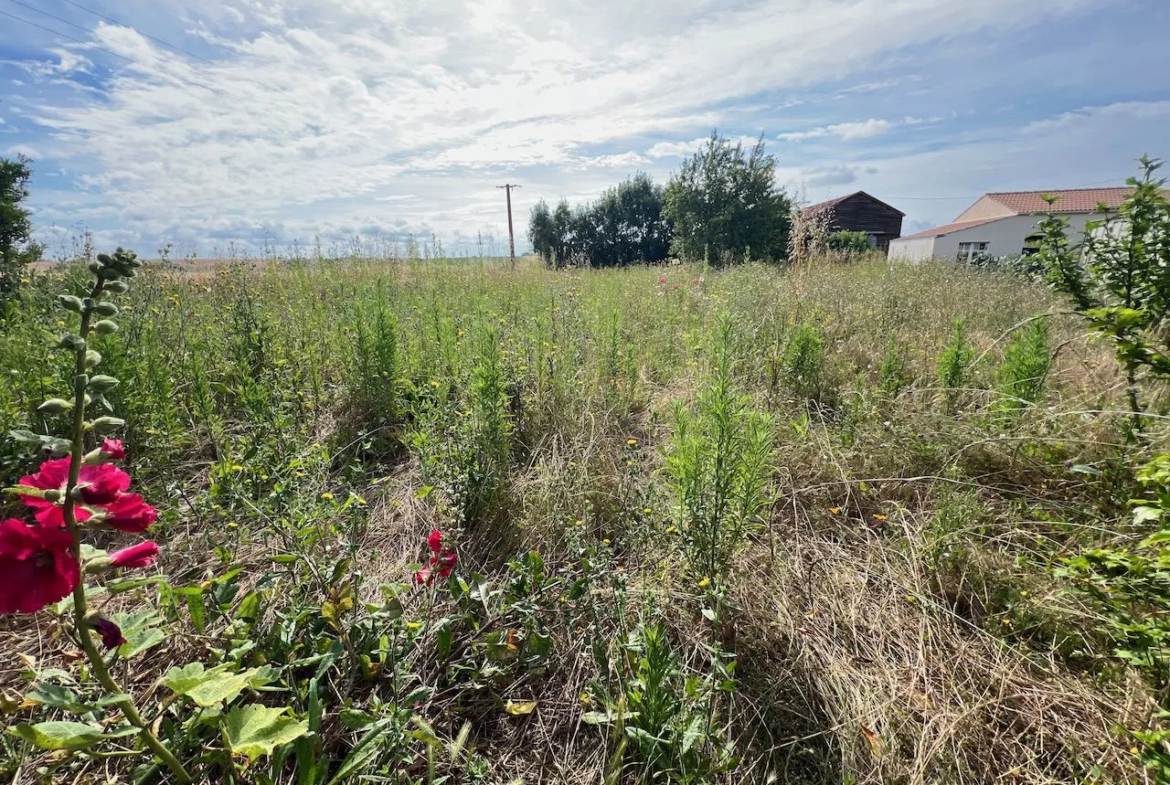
point(113, 450)
point(129, 513)
point(98, 485)
point(443, 559)
point(141, 555)
point(36, 566)
point(662, 279)
point(111, 633)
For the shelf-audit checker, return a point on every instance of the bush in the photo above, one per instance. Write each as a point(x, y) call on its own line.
point(848, 242)
point(17, 250)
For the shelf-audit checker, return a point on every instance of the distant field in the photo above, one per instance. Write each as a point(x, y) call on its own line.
point(712, 527)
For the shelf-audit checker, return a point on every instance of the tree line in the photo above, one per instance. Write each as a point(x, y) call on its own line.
point(722, 206)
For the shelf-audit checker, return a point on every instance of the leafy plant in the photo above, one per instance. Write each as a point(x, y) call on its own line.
point(1020, 377)
point(953, 366)
point(1118, 278)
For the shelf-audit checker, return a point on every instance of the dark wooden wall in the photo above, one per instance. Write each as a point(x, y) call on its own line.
point(859, 213)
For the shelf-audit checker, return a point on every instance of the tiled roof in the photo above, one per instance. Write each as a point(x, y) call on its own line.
point(939, 231)
point(1076, 200)
point(816, 208)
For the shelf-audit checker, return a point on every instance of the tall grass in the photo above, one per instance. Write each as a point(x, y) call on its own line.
point(599, 444)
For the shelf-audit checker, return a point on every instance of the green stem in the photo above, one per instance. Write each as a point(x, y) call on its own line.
point(80, 610)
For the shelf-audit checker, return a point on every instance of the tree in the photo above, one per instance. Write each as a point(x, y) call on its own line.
point(540, 231)
point(624, 226)
point(725, 205)
point(1118, 278)
point(16, 246)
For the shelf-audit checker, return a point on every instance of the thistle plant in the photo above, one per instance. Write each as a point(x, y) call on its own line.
point(41, 563)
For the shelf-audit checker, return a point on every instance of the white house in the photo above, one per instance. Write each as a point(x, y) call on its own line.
point(1005, 223)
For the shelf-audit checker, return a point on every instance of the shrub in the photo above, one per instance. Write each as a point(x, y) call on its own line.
point(17, 250)
point(848, 242)
point(1020, 378)
point(1118, 278)
point(953, 365)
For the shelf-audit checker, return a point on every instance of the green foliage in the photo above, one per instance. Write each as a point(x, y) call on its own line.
point(1020, 377)
point(848, 242)
point(1118, 277)
point(624, 226)
point(804, 364)
point(892, 372)
point(953, 366)
point(718, 466)
point(16, 247)
point(725, 205)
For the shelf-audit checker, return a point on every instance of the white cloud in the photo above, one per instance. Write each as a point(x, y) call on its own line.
point(311, 109)
point(1132, 110)
point(23, 149)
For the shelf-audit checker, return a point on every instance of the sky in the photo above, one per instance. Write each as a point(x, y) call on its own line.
point(231, 126)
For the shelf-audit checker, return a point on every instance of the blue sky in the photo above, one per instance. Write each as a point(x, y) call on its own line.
point(287, 120)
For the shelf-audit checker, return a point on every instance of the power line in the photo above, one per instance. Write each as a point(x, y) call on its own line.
point(111, 20)
point(92, 45)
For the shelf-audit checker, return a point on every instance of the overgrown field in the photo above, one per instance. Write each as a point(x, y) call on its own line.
point(706, 527)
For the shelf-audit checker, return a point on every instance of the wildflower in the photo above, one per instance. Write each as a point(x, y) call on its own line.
point(129, 513)
point(113, 450)
point(632, 442)
point(835, 510)
point(879, 517)
point(111, 633)
point(704, 583)
point(443, 560)
point(662, 279)
point(141, 555)
point(36, 566)
point(96, 484)
point(327, 496)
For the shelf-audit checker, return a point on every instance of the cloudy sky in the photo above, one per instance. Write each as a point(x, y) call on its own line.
point(246, 121)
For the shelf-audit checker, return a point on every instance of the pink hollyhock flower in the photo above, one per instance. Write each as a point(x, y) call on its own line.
point(435, 541)
point(36, 566)
point(129, 513)
point(98, 485)
point(442, 560)
point(113, 450)
point(111, 633)
point(424, 576)
point(141, 555)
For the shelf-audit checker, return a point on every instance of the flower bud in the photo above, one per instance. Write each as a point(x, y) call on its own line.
point(94, 267)
point(52, 495)
point(106, 327)
point(117, 287)
point(92, 359)
point(70, 303)
point(109, 274)
point(105, 309)
point(105, 260)
point(72, 343)
point(107, 424)
point(101, 383)
point(55, 406)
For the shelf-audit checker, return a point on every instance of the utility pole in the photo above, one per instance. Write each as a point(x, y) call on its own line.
point(511, 236)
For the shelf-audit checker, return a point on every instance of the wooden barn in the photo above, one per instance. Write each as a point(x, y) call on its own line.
point(860, 212)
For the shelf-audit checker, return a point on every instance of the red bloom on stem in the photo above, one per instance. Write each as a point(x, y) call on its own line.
point(111, 633)
point(662, 279)
point(141, 555)
point(113, 450)
point(129, 513)
point(98, 485)
point(36, 566)
point(443, 559)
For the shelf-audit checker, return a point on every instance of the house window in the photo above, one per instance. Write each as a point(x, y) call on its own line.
point(967, 251)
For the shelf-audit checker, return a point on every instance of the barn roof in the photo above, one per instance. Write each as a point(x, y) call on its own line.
point(939, 231)
point(816, 208)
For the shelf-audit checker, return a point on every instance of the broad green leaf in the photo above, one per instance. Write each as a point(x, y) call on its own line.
point(59, 735)
point(141, 632)
point(208, 688)
point(256, 730)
